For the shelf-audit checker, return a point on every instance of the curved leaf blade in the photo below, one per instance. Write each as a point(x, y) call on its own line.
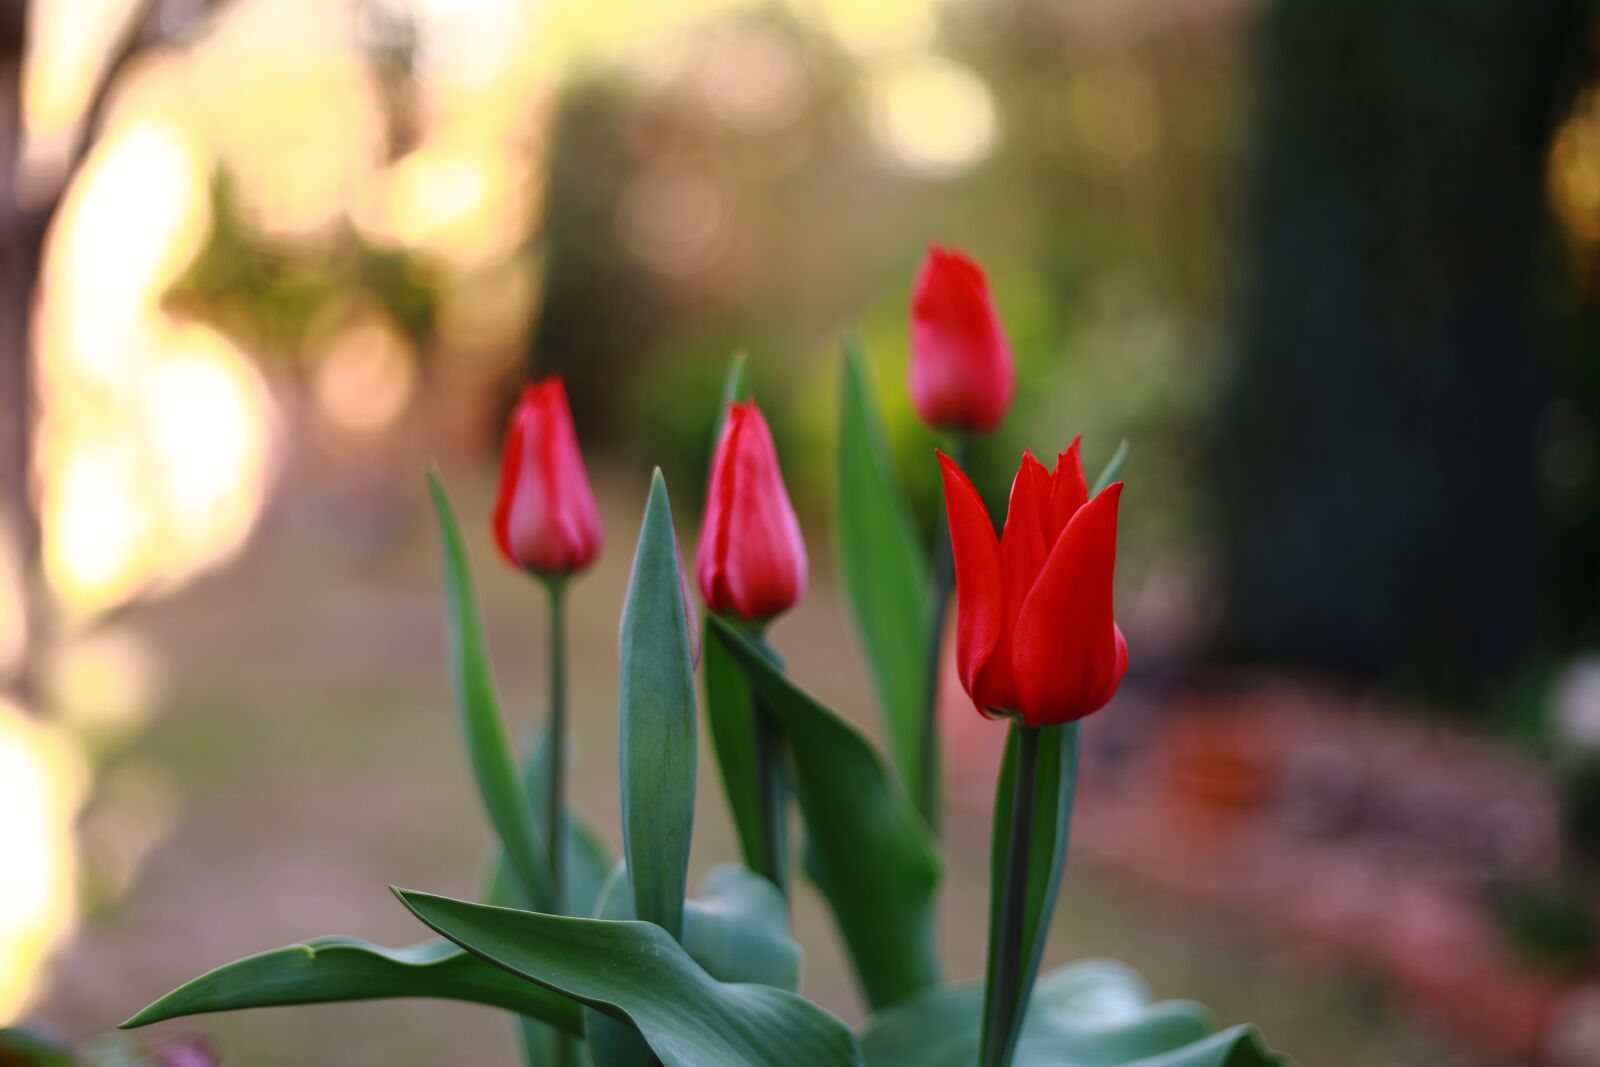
point(1094, 1013)
point(1112, 470)
point(334, 969)
point(884, 569)
point(634, 970)
point(479, 707)
point(656, 709)
point(866, 847)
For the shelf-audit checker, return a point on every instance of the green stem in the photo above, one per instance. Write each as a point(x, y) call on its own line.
point(772, 794)
point(1006, 975)
point(556, 800)
point(944, 580)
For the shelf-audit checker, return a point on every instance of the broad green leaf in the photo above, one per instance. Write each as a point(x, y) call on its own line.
point(656, 709)
point(30, 1048)
point(588, 856)
point(885, 573)
point(1095, 1013)
point(613, 1042)
point(1052, 816)
point(635, 971)
point(737, 929)
point(330, 969)
point(588, 861)
point(733, 740)
point(1113, 469)
point(492, 764)
point(866, 847)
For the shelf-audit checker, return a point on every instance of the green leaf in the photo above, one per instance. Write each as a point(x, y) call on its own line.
point(635, 971)
point(330, 969)
point(737, 929)
point(885, 573)
point(492, 765)
point(735, 388)
point(733, 740)
point(587, 865)
point(24, 1047)
point(657, 721)
point(1052, 816)
point(866, 847)
point(1113, 469)
point(1095, 1013)
point(588, 857)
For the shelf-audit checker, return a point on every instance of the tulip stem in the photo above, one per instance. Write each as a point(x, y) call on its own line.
point(1004, 1016)
point(944, 580)
point(556, 799)
point(771, 785)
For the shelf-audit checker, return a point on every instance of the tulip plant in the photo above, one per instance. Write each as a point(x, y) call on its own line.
point(607, 961)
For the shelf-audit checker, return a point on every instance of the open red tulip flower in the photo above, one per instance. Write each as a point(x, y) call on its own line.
point(751, 561)
point(961, 371)
point(1034, 630)
point(545, 517)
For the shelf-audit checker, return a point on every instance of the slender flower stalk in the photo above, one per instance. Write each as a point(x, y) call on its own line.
point(961, 377)
point(944, 584)
point(1002, 1017)
point(556, 799)
point(547, 524)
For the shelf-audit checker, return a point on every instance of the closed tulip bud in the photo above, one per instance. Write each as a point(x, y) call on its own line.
point(1034, 629)
point(545, 517)
point(751, 561)
point(961, 371)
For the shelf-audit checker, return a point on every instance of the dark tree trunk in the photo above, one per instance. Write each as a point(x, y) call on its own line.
point(1378, 478)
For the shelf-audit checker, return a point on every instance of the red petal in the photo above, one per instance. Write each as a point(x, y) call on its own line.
point(1022, 556)
point(1067, 657)
point(1069, 490)
point(980, 596)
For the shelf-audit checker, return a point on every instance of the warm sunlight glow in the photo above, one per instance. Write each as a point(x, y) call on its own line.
point(932, 116)
point(288, 101)
point(41, 787)
point(365, 379)
point(68, 45)
point(152, 433)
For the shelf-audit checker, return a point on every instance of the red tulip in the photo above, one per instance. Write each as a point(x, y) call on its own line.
point(751, 562)
point(1034, 632)
point(545, 518)
point(961, 372)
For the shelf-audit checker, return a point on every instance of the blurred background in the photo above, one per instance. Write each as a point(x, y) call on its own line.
point(1331, 266)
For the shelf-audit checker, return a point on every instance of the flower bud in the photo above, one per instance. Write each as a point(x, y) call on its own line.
point(751, 561)
point(961, 371)
point(545, 517)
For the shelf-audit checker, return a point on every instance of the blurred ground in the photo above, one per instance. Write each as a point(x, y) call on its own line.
point(310, 745)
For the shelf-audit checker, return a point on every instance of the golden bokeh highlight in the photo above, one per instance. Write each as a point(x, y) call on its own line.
point(931, 116)
point(42, 786)
point(366, 377)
